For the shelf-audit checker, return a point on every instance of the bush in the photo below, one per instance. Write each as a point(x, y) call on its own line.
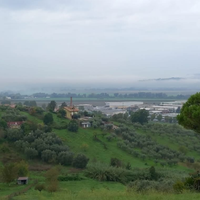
point(52, 179)
point(52, 187)
point(14, 134)
point(178, 187)
point(9, 173)
point(40, 187)
point(31, 152)
point(153, 174)
point(146, 185)
point(3, 124)
point(80, 161)
point(190, 159)
point(4, 148)
point(48, 119)
point(65, 158)
point(22, 168)
point(115, 162)
point(73, 126)
point(103, 172)
point(109, 138)
point(48, 156)
point(70, 177)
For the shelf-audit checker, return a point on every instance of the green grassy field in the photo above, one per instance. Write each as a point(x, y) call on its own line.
point(6, 189)
point(116, 193)
point(95, 150)
point(101, 151)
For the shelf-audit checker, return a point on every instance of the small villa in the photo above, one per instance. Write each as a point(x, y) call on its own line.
point(71, 110)
point(14, 124)
point(86, 124)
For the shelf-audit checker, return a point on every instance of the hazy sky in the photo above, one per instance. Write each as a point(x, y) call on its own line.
point(98, 41)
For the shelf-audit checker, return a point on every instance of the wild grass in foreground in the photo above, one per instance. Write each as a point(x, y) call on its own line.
point(104, 194)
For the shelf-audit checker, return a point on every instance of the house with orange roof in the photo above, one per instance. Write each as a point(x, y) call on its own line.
point(70, 110)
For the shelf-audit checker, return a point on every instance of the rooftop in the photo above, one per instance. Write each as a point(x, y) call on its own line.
point(22, 178)
point(71, 109)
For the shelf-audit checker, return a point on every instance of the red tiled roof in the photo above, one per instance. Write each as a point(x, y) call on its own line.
point(14, 123)
point(71, 109)
point(22, 178)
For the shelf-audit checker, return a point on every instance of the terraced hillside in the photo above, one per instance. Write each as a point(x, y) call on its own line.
point(173, 150)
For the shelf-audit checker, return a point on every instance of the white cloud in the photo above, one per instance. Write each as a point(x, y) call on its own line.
point(99, 38)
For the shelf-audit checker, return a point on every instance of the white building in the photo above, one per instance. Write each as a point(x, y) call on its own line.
point(123, 104)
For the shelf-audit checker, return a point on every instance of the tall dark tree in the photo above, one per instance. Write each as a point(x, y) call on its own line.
point(3, 124)
point(51, 106)
point(159, 117)
point(48, 119)
point(80, 161)
point(65, 158)
point(62, 113)
point(63, 105)
point(9, 173)
point(73, 126)
point(189, 116)
point(140, 116)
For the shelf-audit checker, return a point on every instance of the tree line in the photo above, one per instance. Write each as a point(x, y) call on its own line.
point(148, 95)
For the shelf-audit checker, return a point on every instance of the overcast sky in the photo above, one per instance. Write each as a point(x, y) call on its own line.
point(98, 41)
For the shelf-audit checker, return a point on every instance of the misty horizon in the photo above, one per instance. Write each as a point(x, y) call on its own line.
point(99, 44)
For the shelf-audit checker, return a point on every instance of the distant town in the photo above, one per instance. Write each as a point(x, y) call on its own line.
point(159, 111)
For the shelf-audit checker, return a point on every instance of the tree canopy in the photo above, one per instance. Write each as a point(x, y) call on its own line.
point(73, 126)
point(189, 116)
point(140, 116)
point(51, 106)
point(48, 119)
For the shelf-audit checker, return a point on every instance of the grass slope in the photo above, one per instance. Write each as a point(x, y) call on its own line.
point(95, 150)
point(104, 194)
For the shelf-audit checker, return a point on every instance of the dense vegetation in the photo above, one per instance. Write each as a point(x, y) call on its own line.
point(190, 113)
point(137, 156)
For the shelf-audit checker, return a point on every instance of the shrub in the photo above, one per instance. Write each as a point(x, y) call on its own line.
point(48, 156)
point(103, 172)
point(65, 158)
point(73, 126)
point(9, 173)
point(145, 185)
point(52, 179)
point(40, 187)
point(128, 166)
point(22, 168)
point(4, 148)
point(115, 162)
point(153, 174)
point(70, 177)
point(14, 134)
point(178, 187)
point(189, 182)
point(190, 159)
point(109, 138)
point(52, 187)
point(183, 150)
point(80, 161)
point(31, 152)
point(48, 119)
